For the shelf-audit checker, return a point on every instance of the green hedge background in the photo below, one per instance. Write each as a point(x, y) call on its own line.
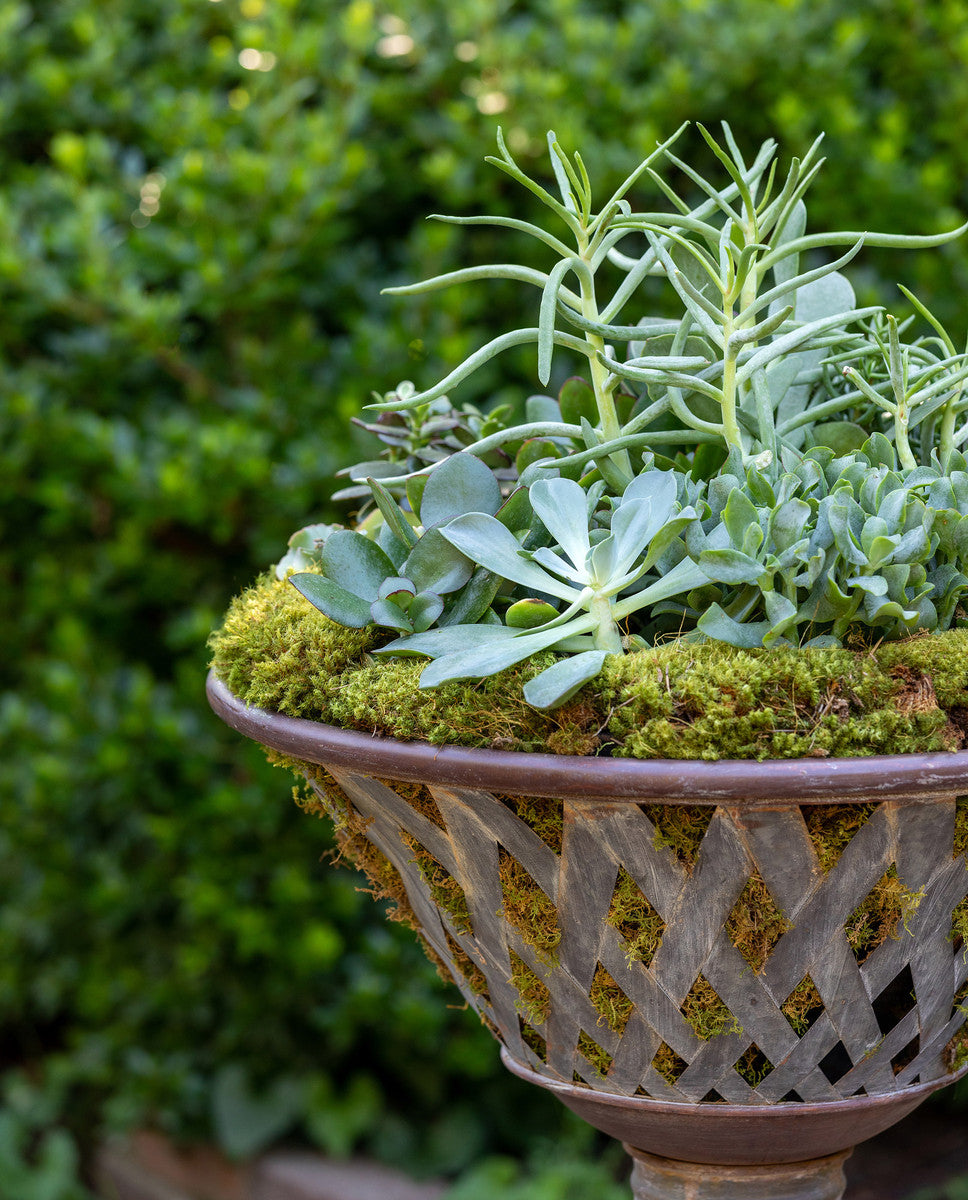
point(199, 203)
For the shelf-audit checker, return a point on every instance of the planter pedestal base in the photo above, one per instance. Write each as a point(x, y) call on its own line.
point(718, 1151)
point(655, 1178)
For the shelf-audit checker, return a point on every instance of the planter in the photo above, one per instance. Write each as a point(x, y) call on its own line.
point(732, 1062)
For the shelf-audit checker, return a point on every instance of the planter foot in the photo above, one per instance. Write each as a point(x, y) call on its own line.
point(655, 1178)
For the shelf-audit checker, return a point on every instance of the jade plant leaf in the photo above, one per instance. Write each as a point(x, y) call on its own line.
point(336, 602)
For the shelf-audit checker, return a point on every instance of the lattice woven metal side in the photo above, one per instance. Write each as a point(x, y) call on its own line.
point(878, 1024)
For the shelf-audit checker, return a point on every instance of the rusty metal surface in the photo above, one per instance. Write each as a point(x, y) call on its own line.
point(732, 1134)
point(655, 1178)
point(748, 784)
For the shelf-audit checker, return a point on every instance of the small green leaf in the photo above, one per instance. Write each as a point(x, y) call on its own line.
point(390, 615)
point(534, 450)
point(529, 614)
point(730, 566)
point(840, 436)
point(336, 602)
point(356, 563)
point(560, 682)
point(715, 624)
point(396, 521)
point(576, 400)
point(436, 565)
point(424, 609)
point(461, 484)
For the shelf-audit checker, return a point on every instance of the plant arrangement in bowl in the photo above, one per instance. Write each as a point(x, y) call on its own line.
point(648, 710)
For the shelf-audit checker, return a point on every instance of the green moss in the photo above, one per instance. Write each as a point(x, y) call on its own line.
point(535, 998)
point(635, 919)
point(611, 1003)
point(755, 924)
point(275, 651)
point(802, 1007)
point(678, 700)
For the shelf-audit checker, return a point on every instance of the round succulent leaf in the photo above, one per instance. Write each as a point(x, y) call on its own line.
point(425, 608)
point(541, 408)
point(729, 566)
point(336, 602)
point(311, 537)
point(516, 512)
point(530, 613)
point(840, 436)
point(392, 616)
point(401, 591)
point(576, 399)
point(461, 484)
point(436, 565)
point(537, 449)
point(356, 563)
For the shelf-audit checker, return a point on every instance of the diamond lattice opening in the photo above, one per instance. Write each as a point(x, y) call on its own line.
point(803, 1006)
point(534, 997)
point(444, 889)
point(543, 814)
point(668, 1064)
point(884, 913)
point(835, 1063)
point(611, 1003)
point(707, 1012)
point(680, 828)
point(533, 1040)
point(906, 1056)
point(631, 914)
point(753, 1066)
point(597, 1056)
point(832, 828)
point(467, 968)
point(895, 1001)
point(528, 908)
point(419, 797)
point(756, 924)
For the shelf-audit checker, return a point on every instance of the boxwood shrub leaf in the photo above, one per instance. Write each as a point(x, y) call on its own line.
point(558, 683)
point(336, 602)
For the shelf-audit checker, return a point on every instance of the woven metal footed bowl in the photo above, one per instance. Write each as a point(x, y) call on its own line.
point(696, 1046)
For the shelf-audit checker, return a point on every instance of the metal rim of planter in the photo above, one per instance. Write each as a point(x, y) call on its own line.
point(740, 783)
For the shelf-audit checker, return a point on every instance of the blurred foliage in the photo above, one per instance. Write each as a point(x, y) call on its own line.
point(200, 202)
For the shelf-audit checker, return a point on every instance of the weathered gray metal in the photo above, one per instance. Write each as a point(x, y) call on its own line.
point(845, 1061)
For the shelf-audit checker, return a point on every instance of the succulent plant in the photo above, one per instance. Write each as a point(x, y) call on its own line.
point(775, 465)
